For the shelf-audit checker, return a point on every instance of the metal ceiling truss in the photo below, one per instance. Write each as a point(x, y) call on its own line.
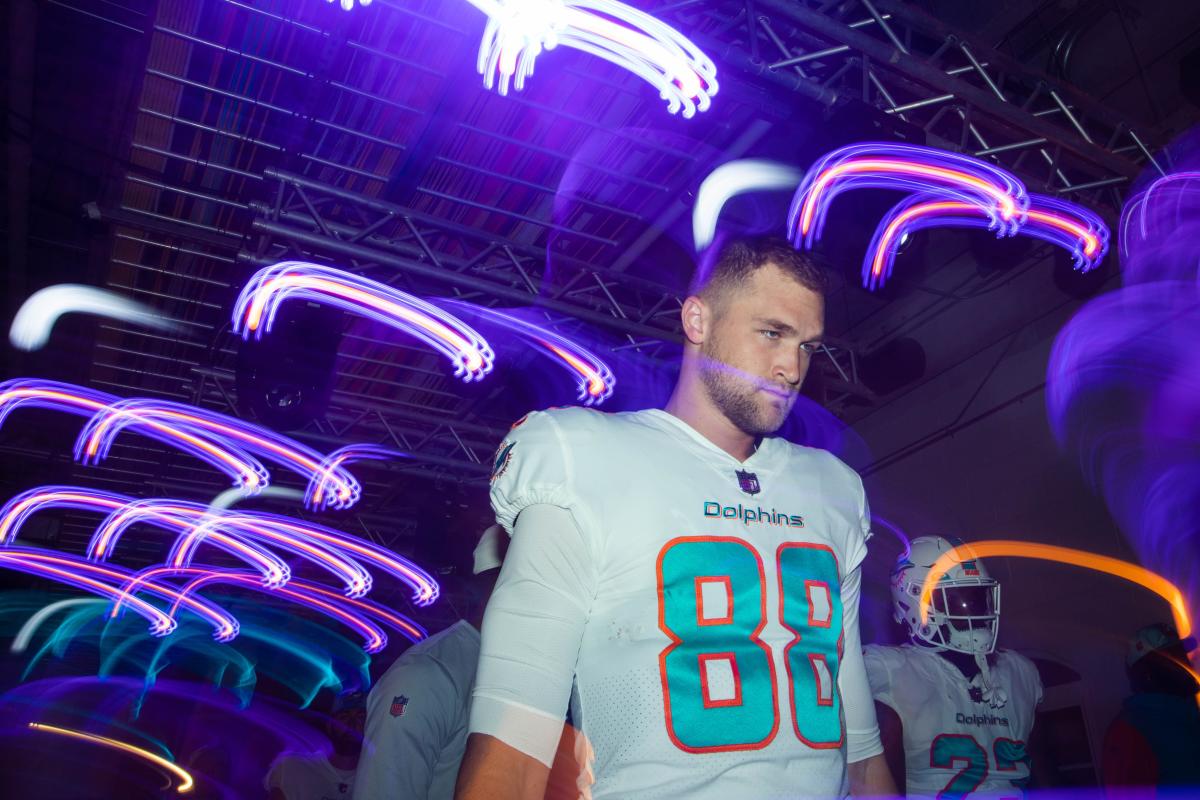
point(435, 440)
point(429, 253)
point(964, 95)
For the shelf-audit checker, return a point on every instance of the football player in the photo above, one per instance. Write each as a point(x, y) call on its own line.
point(686, 582)
point(315, 776)
point(416, 726)
point(1154, 743)
point(956, 714)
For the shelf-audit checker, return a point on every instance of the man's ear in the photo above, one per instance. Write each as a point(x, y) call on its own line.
point(697, 319)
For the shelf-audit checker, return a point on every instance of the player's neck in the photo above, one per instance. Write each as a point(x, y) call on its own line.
point(690, 403)
point(343, 761)
point(966, 663)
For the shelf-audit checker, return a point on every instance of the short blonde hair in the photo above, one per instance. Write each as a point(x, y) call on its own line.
point(730, 266)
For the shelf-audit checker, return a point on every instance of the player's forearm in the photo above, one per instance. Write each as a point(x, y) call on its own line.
point(492, 770)
point(871, 778)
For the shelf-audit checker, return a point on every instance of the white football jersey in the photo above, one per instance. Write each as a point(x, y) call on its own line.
point(954, 744)
point(416, 728)
point(713, 604)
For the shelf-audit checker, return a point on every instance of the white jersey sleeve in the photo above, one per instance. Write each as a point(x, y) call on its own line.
point(535, 618)
point(862, 729)
point(858, 543)
point(536, 615)
point(1030, 679)
point(532, 467)
point(879, 662)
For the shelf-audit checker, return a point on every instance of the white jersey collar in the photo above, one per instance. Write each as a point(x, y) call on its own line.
point(759, 458)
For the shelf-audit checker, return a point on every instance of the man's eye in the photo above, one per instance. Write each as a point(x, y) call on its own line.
point(810, 347)
point(769, 334)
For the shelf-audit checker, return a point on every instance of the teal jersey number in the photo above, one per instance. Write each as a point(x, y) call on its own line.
point(701, 717)
point(812, 611)
point(719, 682)
point(949, 748)
point(952, 749)
point(1007, 754)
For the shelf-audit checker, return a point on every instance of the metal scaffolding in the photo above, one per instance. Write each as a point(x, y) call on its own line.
point(456, 257)
point(963, 95)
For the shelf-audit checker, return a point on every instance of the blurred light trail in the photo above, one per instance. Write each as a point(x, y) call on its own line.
point(186, 783)
point(37, 316)
point(1062, 555)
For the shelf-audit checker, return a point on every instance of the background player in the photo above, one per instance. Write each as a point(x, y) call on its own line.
point(318, 776)
point(416, 727)
point(955, 713)
point(1154, 743)
point(688, 582)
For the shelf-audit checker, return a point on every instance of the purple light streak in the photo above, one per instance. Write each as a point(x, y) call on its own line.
point(1156, 228)
point(237, 532)
point(259, 301)
point(594, 380)
point(1122, 381)
point(274, 570)
point(425, 588)
point(1072, 227)
point(102, 580)
point(909, 168)
point(246, 472)
point(518, 31)
point(312, 596)
point(195, 520)
point(168, 421)
point(322, 485)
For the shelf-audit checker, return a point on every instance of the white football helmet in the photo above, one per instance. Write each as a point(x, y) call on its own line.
point(965, 613)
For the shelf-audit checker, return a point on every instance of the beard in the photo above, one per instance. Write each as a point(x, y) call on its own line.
point(736, 394)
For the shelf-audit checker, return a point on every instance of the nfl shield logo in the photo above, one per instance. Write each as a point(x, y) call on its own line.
point(748, 482)
point(399, 703)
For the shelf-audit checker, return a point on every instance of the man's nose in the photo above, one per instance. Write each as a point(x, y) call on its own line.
point(789, 372)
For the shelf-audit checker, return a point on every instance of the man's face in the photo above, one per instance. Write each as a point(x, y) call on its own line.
point(753, 360)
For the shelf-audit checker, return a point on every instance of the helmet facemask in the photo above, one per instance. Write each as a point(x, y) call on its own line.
point(964, 618)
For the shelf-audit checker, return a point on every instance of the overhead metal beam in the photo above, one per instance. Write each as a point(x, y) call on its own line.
point(964, 94)
point(321, 243)
point(399, 211)
point(426, 247)
point(889, 57)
